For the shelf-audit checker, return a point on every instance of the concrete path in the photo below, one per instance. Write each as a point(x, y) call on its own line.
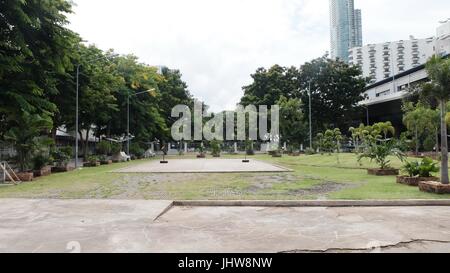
point(134, 226)
point(203, 166)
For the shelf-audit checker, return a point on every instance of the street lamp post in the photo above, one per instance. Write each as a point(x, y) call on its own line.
point(310, 117)
point(128, 115)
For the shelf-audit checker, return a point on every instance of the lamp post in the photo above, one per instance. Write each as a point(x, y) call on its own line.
point(310, 117)
point(77, 104)
point(128, 115)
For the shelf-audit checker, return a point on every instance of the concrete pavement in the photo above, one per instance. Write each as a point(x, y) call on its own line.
point(204, 166)
point(156, 226)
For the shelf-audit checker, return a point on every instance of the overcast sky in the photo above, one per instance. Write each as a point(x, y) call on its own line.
point(217, 44)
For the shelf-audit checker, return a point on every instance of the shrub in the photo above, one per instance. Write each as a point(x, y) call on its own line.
point(427, 167)
point(310, 151)
point(62, 155)
point(379, 151)
point(104, 148)
point(136, 150)
point(411, 168)
point(92, 159)
point(116, 148)
point(40, 161)
point(215, 148)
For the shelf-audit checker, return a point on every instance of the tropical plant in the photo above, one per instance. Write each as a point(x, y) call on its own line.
point(427, 167)
point(380, 151)
point(92, 159)
point(439, 88)
point(40, 160)
point(385, 128)
point(26, 137)
point(411, 168)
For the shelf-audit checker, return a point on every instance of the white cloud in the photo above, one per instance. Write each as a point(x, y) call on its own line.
point(217, 44)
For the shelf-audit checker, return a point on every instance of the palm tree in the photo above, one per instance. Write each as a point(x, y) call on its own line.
point(439, 88)
point(415, 120)
point(385, 128)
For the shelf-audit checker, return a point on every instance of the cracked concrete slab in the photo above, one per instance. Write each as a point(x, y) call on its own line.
point(156, 226)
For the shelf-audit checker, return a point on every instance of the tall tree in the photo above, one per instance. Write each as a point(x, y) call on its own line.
point(99, 81)
point(293, 128)
point(35, 47)
point(439, 88)
point(336, 89)
point(269, 85)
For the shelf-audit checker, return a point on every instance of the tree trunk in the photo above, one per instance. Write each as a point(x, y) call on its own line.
point(444, 144)
point(437, 143)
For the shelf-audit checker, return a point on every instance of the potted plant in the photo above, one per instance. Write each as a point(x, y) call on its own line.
point(27, 137)
point(41, 165)
point(215, 148)
point(116, 149)
point(379, 151)
point(104, 160)
point(104, 149)
point(61, 158)
point(136, 151)
point(419, 172)
point(412, 171)
point(92, 161)
point(276, 153)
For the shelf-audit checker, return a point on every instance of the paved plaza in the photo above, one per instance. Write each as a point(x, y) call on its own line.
point(156, 226)
point(203, 166)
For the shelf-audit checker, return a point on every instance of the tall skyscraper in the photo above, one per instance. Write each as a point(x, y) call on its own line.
point(345, 28)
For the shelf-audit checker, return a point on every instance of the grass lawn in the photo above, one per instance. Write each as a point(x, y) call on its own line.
point(313, 177)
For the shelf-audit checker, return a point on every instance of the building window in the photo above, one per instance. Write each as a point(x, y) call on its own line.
point(384, 93)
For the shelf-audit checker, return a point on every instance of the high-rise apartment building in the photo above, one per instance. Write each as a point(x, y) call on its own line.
point(384, 60)
point(345, 28)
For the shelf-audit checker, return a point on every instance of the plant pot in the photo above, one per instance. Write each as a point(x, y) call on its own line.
point(47, 170)
point(61, 169)
point(383, 172)
point(91, 164)
point(434, 187)
point(25, 176)
point(407, 180)
point(106, 162)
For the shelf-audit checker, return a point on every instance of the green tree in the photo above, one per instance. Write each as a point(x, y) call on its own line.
point(27, 138)
point(336, 90)
point(292, 125)
point(439, 88)
point(416, 119)
point(269, 85)
point(35, 50)
point(99, 82)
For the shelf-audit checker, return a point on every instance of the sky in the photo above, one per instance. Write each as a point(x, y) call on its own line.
point(218, 44)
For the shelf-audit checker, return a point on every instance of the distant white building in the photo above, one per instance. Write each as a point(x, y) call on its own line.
point(384, 60)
